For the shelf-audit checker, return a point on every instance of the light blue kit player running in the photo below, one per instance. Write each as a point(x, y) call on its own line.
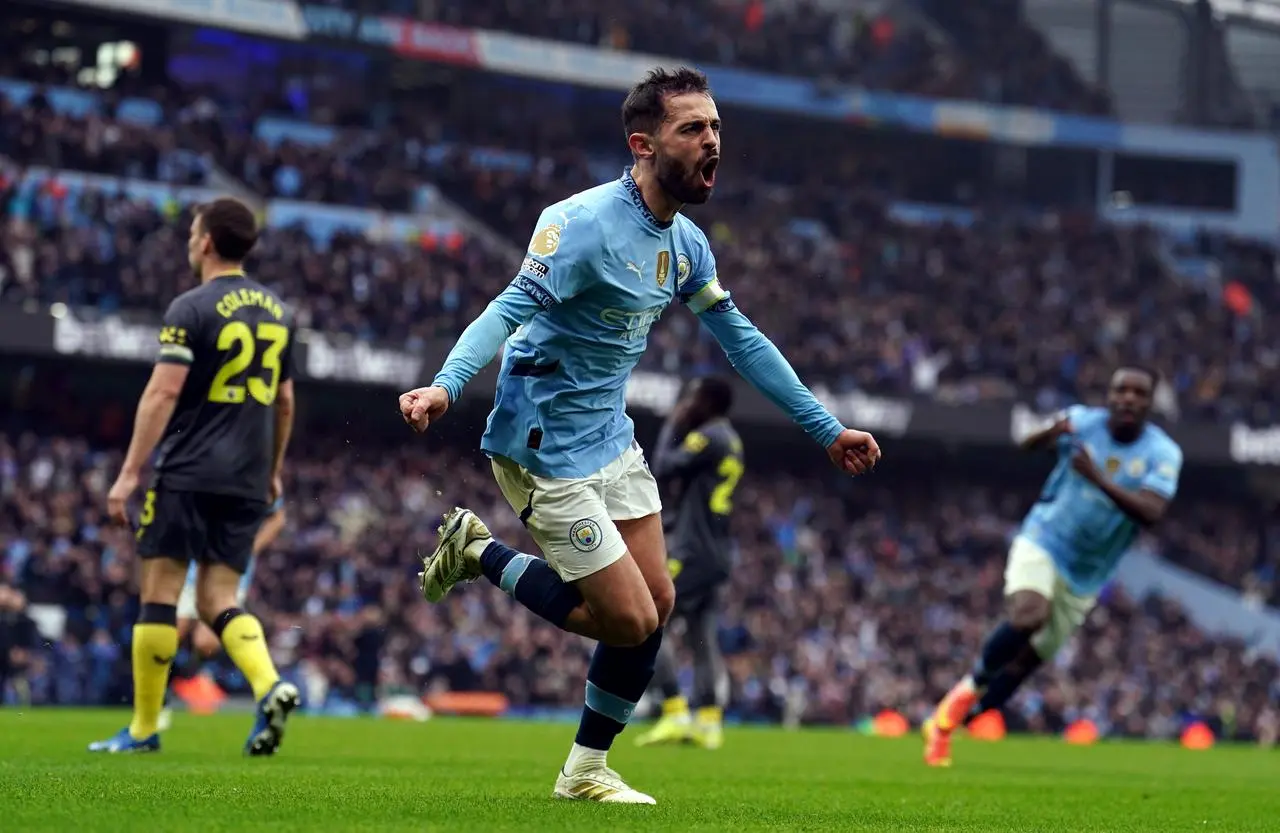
point(601, 268)
point(1115, 475)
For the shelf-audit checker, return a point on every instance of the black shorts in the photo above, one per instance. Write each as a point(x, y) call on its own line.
point(199, 526)
point(697, 590)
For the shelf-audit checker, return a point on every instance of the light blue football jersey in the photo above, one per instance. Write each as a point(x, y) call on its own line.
point(1078, 525)
point(600, 270)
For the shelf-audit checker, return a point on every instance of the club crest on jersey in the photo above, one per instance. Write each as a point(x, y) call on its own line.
point(585, 535)
point(1137, 468)
point(546, 241)
point(683, 268)
point(664, 267)
point(1112, 466)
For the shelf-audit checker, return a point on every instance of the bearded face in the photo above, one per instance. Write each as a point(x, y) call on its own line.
point(687, 148)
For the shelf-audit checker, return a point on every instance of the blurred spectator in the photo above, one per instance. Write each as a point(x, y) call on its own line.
point(19, 640)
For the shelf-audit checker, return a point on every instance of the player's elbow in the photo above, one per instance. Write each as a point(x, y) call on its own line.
point(285, 401)
point(166, 383)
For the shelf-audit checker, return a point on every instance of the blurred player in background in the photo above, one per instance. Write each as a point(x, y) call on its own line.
point(220, 407)
point(1115, 476)
point(699, 461)
point(601, 268)
point(204, 642)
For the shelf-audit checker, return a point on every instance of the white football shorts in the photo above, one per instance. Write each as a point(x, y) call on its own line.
point(1031, 568)
point(572, 518)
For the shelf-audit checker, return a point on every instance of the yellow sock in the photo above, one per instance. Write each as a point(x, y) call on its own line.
point(710, 715)
point(247, 647)
point(154, 647)
point(675, 707)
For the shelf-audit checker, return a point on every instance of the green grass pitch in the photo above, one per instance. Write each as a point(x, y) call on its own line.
point(478, 775)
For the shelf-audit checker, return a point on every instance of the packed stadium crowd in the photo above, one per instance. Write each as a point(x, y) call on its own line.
point(1101, 293)
point(957, 51)
point(838, 607)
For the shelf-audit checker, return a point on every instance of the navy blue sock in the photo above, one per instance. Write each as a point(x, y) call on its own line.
point(1002, 645)
point(616, 681)
point(1005, 684)
point(531, 582)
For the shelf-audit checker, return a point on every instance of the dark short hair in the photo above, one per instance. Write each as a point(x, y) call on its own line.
point(717, 393)
point(646, 105)
point(1140, 368)
point(231, 227)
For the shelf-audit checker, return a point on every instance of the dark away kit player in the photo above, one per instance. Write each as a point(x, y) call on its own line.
point(219, 407)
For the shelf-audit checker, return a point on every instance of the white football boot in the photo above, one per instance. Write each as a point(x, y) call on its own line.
point(598, 783)
point(454, 560)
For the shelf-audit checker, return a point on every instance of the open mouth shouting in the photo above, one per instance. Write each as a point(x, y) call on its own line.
point(708, 171)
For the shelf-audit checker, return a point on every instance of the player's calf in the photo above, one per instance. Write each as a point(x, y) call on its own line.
point(205, 641)
point(1001, 687)
point(1027, 613)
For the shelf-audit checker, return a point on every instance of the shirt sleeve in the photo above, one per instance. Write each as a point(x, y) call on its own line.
point(178, 333)
point(1162, 477)
point(1079, 417)
point(753, 355)
point(564, 257)
point(698, 286)
point(676, 456)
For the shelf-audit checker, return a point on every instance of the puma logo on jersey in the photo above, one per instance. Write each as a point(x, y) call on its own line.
point(639, 270)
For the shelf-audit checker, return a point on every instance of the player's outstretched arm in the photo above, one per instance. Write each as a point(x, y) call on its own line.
point(759, 361)
point(477, 346)
point(562, 260)
point(1046, 437)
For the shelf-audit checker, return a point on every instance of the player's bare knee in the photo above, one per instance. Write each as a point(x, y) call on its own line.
point(211, 605)
point(1027, 610)
point(631, 626)
point(664, 600)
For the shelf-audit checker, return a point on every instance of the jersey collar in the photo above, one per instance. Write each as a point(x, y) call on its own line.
point(230, 273)
point(637, 198)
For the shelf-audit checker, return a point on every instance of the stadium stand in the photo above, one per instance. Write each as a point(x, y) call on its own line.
point(990, 56)
point(1109, 281)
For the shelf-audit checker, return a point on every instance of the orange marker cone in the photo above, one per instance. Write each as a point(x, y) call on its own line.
point(1081, 733)
point(1197, 736)
point(890, 724)
point(988, 726)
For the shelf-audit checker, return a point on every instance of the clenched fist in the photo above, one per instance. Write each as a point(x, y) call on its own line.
point(423, 406)
point(854, 452)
